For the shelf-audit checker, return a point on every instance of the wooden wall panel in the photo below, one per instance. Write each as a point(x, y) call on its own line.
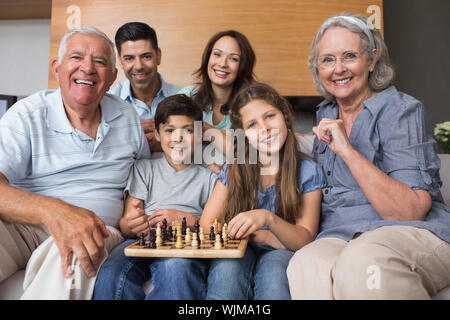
point(280, 32)
point(25, 9)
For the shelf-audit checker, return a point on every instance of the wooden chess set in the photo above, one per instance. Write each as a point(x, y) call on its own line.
point(177, 241)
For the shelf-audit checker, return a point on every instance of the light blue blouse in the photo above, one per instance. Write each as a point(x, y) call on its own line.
point(311, 178)
point(391, 133)
point(208, 116)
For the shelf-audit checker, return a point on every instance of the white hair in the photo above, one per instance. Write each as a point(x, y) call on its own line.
point(383, 74)
point(89, 30)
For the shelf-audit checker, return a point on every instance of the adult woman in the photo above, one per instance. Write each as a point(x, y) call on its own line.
point(227, 65)
point(384, 226)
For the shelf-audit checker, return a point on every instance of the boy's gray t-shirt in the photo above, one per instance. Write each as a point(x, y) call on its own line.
point(161, 187)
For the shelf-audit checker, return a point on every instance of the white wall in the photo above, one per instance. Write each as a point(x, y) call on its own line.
point(24, 56)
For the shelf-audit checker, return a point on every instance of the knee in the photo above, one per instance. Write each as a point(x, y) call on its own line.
point(357, 269)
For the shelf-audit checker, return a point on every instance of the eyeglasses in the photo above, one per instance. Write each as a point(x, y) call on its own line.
point(328, 62)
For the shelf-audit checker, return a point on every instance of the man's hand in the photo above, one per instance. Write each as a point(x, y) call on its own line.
point(78, 231)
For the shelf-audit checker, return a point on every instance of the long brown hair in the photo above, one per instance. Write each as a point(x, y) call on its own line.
point(205, 94)
point(243, 179)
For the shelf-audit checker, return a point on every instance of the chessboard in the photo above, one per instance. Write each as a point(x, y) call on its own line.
point(179, 244)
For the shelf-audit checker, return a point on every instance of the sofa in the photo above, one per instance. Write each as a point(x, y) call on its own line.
point(11, 288)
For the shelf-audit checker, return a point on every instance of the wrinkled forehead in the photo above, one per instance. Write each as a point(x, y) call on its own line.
point(338, 40)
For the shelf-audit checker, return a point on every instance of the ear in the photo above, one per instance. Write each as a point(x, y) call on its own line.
point(55, 66)
point(157, 137)
point(373, 60)
point(158, 56)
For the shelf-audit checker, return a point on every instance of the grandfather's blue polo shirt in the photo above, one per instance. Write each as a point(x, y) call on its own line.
point(123, 90)
point(40, 152)
point(390, 132)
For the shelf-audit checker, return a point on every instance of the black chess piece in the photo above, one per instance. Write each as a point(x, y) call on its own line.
point(212, 235)
point(197, 227)
point(152, 239)
point(141, 239)
point(183, 226)
point(170, 233)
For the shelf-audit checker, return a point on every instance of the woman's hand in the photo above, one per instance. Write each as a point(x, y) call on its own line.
point(333, 133)
point(248, 222)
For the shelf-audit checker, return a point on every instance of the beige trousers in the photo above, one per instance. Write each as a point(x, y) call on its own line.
point(392, 262)
point(31, 247)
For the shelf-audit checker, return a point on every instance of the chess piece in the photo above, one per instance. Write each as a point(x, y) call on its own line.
point(179, 243)
point(217, 243)
point(158, 235)
point(183, 226)
point(216, 226)
point(152, 239)
point(201, 235)
point(195, 244)
point(188, 235)
point(212, 234)
point(170, 234)
point(141, 240)
point(197, 226)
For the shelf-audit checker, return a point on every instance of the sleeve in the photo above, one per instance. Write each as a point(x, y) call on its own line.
point(189, 91)
point(15, 146)
point(212, 183)
point(139, 179)
point(311, 176)
point(223, 175)
point(409, 154)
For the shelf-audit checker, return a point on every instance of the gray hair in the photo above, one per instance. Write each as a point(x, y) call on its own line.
point(89, 30)
point(383, 74)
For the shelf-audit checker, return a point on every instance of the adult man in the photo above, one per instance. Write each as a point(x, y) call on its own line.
point(64, 160)
point(140, 56)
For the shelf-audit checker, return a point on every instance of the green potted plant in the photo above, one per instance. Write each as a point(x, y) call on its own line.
point(442, 135)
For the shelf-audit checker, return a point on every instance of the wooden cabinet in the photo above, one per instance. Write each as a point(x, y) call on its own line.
point(280, 31)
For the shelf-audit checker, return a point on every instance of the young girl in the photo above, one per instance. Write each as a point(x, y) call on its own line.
point(275, 202)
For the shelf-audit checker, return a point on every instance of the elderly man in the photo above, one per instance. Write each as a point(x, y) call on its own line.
point(139, 57)
point(64, 160)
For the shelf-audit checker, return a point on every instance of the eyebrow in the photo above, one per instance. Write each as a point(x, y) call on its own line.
point(232, 53)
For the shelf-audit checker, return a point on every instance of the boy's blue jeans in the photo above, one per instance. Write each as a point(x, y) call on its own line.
point(122, 277)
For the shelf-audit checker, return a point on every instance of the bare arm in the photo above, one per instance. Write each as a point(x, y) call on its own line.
point(75, 230)
point(390, 198)
point(290, 236)
point(214, 207)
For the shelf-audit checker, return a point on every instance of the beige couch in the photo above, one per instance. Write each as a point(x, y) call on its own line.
point(11, 288)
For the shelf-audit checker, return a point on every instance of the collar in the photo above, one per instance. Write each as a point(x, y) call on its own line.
point(374, 104)
point(57, 118)
point(125, 92)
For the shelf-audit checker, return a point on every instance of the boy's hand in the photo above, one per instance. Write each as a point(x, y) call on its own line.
point(137, 219)
point(170, 215)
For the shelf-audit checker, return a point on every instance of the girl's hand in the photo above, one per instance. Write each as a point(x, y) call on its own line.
point(246, 223)
point(333, 133)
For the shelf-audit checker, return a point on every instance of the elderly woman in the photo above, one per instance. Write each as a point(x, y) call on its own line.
point(385, 230)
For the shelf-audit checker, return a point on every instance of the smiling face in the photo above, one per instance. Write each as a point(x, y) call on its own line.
point(347, 82)
point(264, 126)
point(176, 136)
point(85, 72)
point(223, 64)
point(140, 61)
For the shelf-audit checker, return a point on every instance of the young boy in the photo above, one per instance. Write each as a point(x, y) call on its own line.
point(166, 188)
